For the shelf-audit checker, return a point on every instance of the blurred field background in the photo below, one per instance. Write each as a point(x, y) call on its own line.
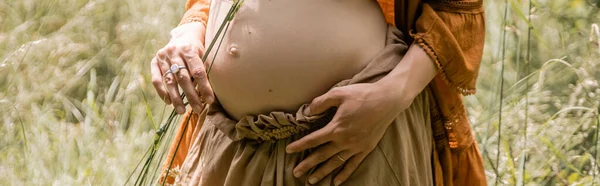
point(78, 108)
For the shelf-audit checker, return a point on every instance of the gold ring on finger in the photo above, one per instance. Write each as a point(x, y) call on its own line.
point(340, 157)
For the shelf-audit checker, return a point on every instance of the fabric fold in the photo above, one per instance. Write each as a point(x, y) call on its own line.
point(251, 151)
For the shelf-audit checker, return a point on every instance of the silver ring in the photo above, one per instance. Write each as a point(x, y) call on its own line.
point(340, 157)
point(174, 69)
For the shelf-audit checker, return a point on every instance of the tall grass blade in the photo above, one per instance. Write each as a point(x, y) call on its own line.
point(595, 30)
point(22, 124)
point(501, 92)
point(595, 169)
point(523, 160)
point(164, 181)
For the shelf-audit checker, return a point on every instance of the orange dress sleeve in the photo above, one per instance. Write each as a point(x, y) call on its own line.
point(196, 11)
point(453, 34)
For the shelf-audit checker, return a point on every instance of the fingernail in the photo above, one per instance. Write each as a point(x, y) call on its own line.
point(289, 151)
point(197, 108)
point(297, 174)
point(337, 182)
point(210, 99)
point(313, 180)
point(306, 111)
point(180, 110)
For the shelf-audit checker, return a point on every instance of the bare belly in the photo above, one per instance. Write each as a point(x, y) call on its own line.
point(280, 54)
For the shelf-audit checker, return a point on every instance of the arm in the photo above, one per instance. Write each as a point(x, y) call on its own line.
point(411, 75)
point(452, 33)
point(448, 38)
point(448, 46)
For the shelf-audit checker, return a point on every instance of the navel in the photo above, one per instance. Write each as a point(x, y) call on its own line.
point(234, 51)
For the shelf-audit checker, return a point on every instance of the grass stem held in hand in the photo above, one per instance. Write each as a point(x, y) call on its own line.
point(150, 156)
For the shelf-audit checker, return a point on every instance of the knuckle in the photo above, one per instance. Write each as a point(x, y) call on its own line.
point(189, 52)
point(187, 47)
point(338, 131)
point(180, 47)
point(169, 49)
point(184, 78)
point(170, 81)
point(337, 94)
point(199, 74)
point(320, 157)
point(162, 53)
point(177, 102)
point(335, 91)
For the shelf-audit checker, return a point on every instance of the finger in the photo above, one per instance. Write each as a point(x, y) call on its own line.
point(349, 168)
point(185, 82)
point(333, 163)
point(171, 82)
point(157, 81)
point(198, 71)
point(311, 140)
point(174, 94)
point(320, 155)
point(333, 98)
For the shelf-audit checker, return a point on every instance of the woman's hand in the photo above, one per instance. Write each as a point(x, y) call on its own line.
point(364, 113)
point(184, 49)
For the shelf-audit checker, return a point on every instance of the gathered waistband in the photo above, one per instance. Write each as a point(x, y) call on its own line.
point(270, 127)
point(281, 125)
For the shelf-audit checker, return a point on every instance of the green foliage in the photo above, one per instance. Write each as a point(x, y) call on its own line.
point(556, 90)
point(73, 74)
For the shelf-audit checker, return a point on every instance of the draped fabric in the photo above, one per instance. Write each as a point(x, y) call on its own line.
point(251, 151)
point(452, 33)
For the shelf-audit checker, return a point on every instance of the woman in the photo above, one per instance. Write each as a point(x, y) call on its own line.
point(399, 119)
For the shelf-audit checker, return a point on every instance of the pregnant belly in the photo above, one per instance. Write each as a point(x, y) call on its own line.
point(280, 54)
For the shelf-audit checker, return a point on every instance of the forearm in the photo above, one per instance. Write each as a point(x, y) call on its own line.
point(411, 75)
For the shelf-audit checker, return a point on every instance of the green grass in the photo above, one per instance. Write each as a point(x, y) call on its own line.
point(73, 75)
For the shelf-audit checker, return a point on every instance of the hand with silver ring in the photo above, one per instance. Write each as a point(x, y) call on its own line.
point(177, 63)
point(174, 69)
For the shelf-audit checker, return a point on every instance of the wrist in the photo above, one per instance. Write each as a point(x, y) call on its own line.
point(396, 90)
point(192, 30)
point(412, 74)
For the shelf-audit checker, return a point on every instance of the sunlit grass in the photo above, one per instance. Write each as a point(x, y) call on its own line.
point(72, 76)
point(78, 107)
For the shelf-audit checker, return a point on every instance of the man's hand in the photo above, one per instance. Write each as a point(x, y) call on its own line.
point(184, 49)
point(364, 113)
